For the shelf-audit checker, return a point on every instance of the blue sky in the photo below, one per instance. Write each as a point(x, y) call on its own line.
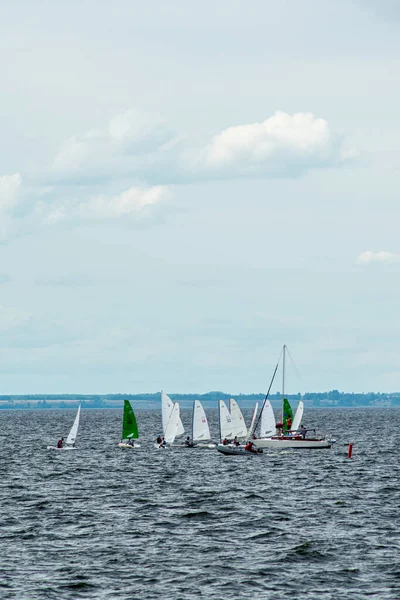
point(185, 187)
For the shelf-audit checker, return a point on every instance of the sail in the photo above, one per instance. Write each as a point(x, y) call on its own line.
point(239, 426)
point(171, 431)
point(74, 429)
point(166, 409)
point(298, 416)
point(253, 418)
point(268, 426)
point(287, 413)
point(200, 429)
point(225, 421)
point(129, 424)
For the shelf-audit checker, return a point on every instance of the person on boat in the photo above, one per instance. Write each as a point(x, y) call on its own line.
point(163, 443)
point(236, 441)
point(60, 443)
point(249, 447)
point(131, 442)
point(289, 423)
point(225, 441)
point(279, 427)
point(159, 440)
point(303, 431)
point(188, 442)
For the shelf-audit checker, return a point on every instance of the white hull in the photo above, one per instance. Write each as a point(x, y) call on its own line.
point(291, 443)
point(122, 445)
point(63, 448)
point(236, 450)
point(203, 445)
point(158, 447)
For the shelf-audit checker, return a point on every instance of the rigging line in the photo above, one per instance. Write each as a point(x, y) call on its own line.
point(266, 398)
point(294, 366)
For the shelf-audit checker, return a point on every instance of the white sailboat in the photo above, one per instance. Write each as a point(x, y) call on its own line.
point(290, 436)
point(166, 410)
point(200, 429)
point(239, 426)
point(225, 422)
point(173, 425)
point(70, 442)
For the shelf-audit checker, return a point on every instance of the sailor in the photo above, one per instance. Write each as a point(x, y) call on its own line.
point(279, 427)
point(163, 443)
point(236, 441)
point(188, 443)
point(225, 441)
point(159, 440)
point(289, 423)
point(60, 443)
point(303, 431)
point(249, 447)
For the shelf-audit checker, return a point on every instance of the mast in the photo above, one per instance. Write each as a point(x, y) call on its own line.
point(283, 379)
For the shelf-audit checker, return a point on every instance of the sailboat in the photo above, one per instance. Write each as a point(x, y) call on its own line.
point(173, 426)
point(289, 435)
point(166, 411)
point(70, 442)
point(130, 430)
point(201, 437)
point(231, 425)
point(239, 426)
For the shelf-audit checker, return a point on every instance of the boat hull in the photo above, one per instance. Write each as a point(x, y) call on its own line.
point(122, 445)
point(63, 448)
point(229, 450)
point(292, 443)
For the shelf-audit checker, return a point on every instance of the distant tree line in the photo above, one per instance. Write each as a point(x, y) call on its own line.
point(331, 398)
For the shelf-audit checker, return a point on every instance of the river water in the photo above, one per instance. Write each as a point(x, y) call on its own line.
point(109, 524)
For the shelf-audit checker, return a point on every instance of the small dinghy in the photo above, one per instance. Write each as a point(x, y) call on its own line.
point(172, 428)
point(70, 443)
point(232, 450)
point(130, 429)
point(201, 437)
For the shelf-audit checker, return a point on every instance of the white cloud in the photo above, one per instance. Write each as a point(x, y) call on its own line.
point(278, 145)
point(9, 188)
point(369, 257)
point(132, 204)
point(114, 149)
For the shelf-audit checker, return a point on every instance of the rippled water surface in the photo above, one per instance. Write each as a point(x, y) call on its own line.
point(106, 523)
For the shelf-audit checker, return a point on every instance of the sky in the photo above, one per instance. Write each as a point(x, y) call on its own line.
point(185, 187)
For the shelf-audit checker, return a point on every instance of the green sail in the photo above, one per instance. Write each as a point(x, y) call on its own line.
point(129, 425)
point(287, 412)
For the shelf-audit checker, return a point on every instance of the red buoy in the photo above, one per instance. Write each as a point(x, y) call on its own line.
point(350, 452)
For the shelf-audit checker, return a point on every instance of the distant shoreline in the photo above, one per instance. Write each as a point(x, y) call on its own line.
point(332, 399)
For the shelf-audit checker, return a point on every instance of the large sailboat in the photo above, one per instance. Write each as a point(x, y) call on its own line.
point(130, 429)
point(287, 433)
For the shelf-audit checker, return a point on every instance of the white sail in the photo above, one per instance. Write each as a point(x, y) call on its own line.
point(268, 426)
point(74, 429)
point(225, 421)
point(239, 426)
point(298, 416)
point(171, 431)
point(253, 418)
point(200, 428)
point(166, 409)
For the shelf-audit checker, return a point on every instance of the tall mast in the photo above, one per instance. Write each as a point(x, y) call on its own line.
point(283, 378)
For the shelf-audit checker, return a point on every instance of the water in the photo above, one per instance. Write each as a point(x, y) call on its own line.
point(109, 524)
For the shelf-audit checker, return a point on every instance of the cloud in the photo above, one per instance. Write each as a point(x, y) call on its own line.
point(142, 146)
point(135, 204)
point(121, 148)
point(369, 257)
point(120, 171)
point(275, 146)
point(9, 188)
